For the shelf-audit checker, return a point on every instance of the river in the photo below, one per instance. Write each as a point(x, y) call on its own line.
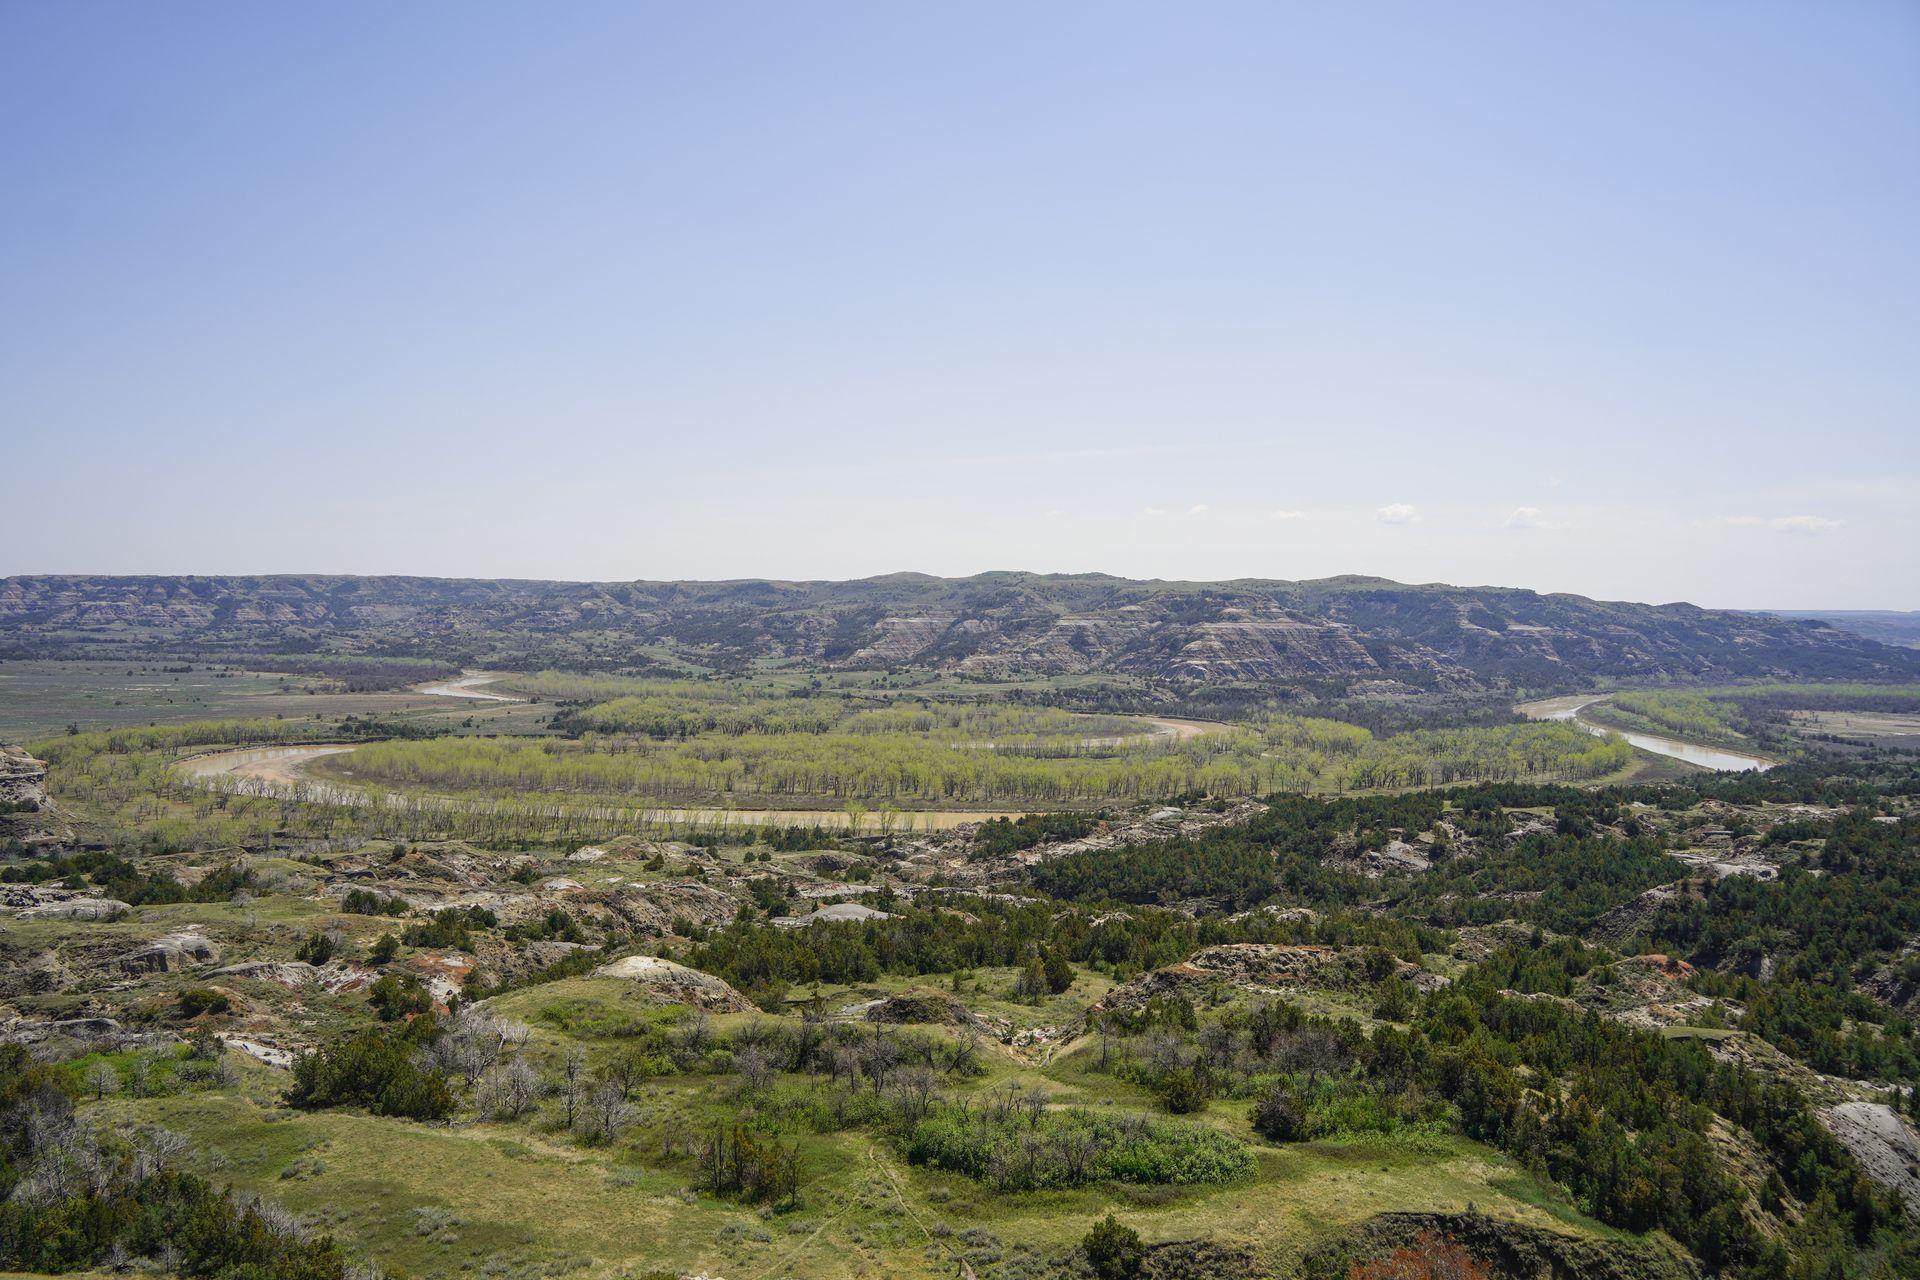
point(1717, 758)
point(467, 686)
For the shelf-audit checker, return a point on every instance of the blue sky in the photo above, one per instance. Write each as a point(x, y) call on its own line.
point(1615, 298)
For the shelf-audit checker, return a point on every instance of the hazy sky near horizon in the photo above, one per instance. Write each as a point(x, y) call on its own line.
point(1616, 298)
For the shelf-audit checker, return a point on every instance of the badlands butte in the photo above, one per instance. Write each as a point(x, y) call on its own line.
point(1342, 630)
point(1016, 927)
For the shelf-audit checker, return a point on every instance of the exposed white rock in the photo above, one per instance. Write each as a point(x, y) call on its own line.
point(677, 983)
point(171, 954)
point(23, 779)
point(292, 974)
point(273, 1057)
point(1886, 1146)
point(76, 909)
point(839, 912)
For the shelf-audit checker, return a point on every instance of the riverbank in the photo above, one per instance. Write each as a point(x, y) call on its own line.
point(1569, 707)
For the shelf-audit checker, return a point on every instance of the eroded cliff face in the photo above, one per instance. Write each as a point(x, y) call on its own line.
point(1354, 630)
point(23, 780)
point(1262, 645)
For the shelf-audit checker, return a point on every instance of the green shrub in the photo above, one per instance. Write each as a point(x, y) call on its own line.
point(377, 1070)
point(195, 1001)
point(1277, 1116)
point(1113, 1251)
point(397, 995)
point(1073, 1148)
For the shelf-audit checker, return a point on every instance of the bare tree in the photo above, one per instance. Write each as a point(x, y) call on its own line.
point(606, 1114)
point(1079, 1148)
point(755, 1067)
point(963, 1052)
point(103, 1080)
point(1218, 1043)
point(573, 1070)
point(913, 1092)
point(693, 1041)
point(845, 1062)
point(509, 1090)
point(879, 1059)
point(158, 1150)
point(625, 1072)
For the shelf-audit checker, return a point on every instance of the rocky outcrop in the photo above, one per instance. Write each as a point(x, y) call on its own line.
point(1397, 855)
point(951, 853)
point(1630, 918)
point(23, 781)
point(171, 954)
point(899, 641)
point(95, 1033)
point(1897, 982)
point(77, 908)
point(656, 907)
point(677, 984)
point(1648, 991)
point(291, 974)
point(921, 1006)
point(838, 913)
point(1267, 967)
point(1884, 1143)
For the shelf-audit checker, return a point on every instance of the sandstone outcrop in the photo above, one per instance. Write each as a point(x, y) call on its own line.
point(677, 984)
point(77, 908)
point(23, 781)
point(171, 954)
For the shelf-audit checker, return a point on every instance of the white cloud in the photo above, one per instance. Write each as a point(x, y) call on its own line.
point(1532, 518)
point(1284, 514)
point(1154, 511)
point(1055, 514)
point(1808, 526)
point(1398, 513)
point(1197, 509)
point(1804, 524)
